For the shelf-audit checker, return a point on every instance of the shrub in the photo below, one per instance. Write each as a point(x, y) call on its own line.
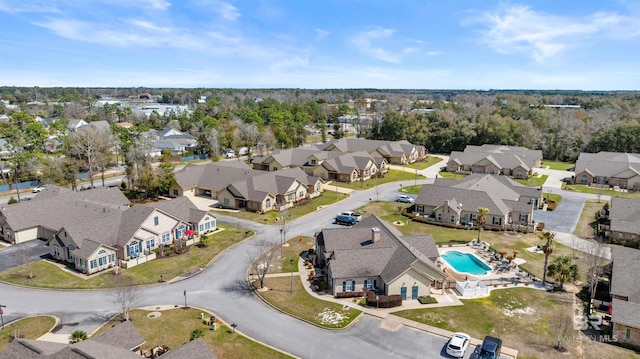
point(12, 200)
point(425, 299)
point(349, 294)
point(197, 333)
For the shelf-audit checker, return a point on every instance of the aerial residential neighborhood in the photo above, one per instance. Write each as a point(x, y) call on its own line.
point(276, 179)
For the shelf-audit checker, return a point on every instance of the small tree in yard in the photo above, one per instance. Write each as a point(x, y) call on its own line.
point(563, 269)
point(124, 293)
point(547, 249)
point(26, 259)
point(562, 327)
point(261, 259)
point(596, 262)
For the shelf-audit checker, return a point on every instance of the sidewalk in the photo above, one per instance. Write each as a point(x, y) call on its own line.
point(390, 321)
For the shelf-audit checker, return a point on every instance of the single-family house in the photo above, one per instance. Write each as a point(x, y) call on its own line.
point(372, 255)
point(608, 168)
point(282, 159)
point(75, 124)
point(122, 341)
point(455, 203)
point(625, 293)
point(518, 162)
point(171, 139)
point(207, 180)
point(267, 191)
point(624, 221)
point(349, 167)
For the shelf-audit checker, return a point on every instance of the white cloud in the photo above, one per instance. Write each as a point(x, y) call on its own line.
point(364, 42)
point(519, 29)
point(228, 11)
point(321, 34)
point(15, 7)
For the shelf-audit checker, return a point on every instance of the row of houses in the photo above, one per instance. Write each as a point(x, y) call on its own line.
point(455, 202)
point(99, 229)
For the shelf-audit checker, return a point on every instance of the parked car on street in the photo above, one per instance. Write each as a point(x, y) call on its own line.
point(39, 189)
point(458, 344)
point(346, 220)
point(404, 198)
point(351, 214)
point(491, 347)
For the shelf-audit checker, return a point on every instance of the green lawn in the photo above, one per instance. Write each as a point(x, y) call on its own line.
point(304, 306)
point(428, 162)
point(27, 328)
point(525, 319)
point(533, 181)
point(47, 275)
point(173, 328)
point(603, 192)
point(328, 197)
point(391, 176)
point(452, 175)
point(556, 165)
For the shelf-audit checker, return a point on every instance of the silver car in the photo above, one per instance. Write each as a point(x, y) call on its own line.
point(404, 198)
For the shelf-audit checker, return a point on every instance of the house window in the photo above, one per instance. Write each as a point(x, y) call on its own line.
point(524, 218)
point(175, 192)
point(318, 187)
point(353, 175)
point(180, 232)
point(94, 263)
point(313, 162)
point(226, 202)
point(112, 257)
point(134, 249)
point(301, 194)
point(102, 261)
point(369, 283)
point(627, 334)
point(202, 228)
point(207, 226)
point(268, 203)
point(56, 251)
point(274, 169)
point(439, 217)
point(151, 243)
point(70, 253)
point(348, 286)
point(453, 218)
point(290, 197)
point(496, 220)
point(156, 221)
point(166, 237)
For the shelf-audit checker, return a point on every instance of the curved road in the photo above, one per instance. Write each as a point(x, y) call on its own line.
point(222, 289)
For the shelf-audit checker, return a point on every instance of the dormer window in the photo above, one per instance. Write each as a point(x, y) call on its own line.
point(156, 221)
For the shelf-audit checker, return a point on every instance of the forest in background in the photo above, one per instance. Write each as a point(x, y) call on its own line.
point(605, 121)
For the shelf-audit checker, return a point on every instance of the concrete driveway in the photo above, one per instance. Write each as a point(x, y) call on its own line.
point(564, 218)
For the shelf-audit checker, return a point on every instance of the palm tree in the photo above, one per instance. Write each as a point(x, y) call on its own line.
point(77, 336)
point(547, 249)
point(482, 218)
point(563, 269)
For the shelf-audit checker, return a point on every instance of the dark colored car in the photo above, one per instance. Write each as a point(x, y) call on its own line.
point(490, 348)
point(348, 220)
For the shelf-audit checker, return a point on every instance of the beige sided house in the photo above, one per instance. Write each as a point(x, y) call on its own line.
point(209, 179)
point(372, 255)
point(518, 162)
point(608, 168)
point(394, 152)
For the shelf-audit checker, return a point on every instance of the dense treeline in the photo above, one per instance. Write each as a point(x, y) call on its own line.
point(604, 121)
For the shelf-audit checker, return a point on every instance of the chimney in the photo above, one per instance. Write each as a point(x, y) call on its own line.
point(375, 234)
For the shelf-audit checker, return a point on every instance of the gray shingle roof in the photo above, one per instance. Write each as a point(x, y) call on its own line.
point(215, 175)
point(625, 215)
point(624, 279)
point(195, 349)
point(607, 164)
point(182, 208)
point(356, 255)
point(257, 187)
point(123, 335)
point(497, 193)
point(30, 349)
point(502, 156)
point(626, 313)
point(348, 162)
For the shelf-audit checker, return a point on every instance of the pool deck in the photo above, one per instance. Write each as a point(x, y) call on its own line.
point(501, 270)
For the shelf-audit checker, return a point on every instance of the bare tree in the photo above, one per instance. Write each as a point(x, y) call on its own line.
point(125, 293)
point(92, 145)
point(260, 260)
point(26, 259)
point(596, 261)
point(562, 327)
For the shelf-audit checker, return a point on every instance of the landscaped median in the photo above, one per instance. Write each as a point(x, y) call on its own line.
point(174, 327)
point(49, 275)
point(287, 292)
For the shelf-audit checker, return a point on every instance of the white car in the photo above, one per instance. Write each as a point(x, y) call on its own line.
point(38, 189)
point(404, 198)
point(458, 344)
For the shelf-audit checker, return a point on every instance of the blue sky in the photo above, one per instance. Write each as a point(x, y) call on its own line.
point(472, 44)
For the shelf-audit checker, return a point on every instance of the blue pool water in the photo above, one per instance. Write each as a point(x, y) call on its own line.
point(465, 263)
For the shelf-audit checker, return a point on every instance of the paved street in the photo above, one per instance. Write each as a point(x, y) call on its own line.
point(222, 289)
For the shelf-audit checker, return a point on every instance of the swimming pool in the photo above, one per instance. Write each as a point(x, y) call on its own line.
point(465, 263)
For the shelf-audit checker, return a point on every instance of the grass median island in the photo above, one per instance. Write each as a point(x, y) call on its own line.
point(48, 275)
point(304, 306)
point(27, 328)
point(587, 223)
point(533, 181)
point(173, 328)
